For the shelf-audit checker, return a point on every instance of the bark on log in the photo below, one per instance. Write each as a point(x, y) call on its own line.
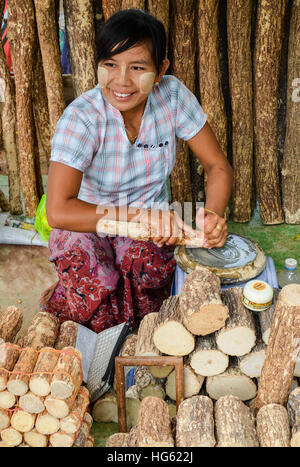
point(252, 363)
point(18, 382)
point(42, 331)
point(84, 431)
point(272, 426)
point(192, 383)
point(117, 440)
point(145, 346)
point(5, 416)
point(132, 406)
point(40, 381)
point(110, 7)
point(293, 408)
point(132, 438)
point(231, 382)
point(200, 303)
point(32, 403)
point(79, 18)
point(67, 375)
point(268, 44)
point(283, 347)
point(9, 355)
point(67, 335)
point(48, 37)
point(11, 437)
point(291, 160)
point(22, 421)
point(211, 95)
point(21, 35)
point(106, 408)
point(60, 439)
point(46, 424)
point(207, 359)
point(36, 439)
point(238, 336)
point(142, 378)
point(7, 399)
point(154, 429)
point(266, 318)
point(195, 423)
point(240, 82)
point(11, 320)
point(72, 422)
point(235, 425)
point(4, 203)
point(126, 4)
point(129, 346)
point(59, 408)
point(9, 127)
point(184, 48)
point(90, 442)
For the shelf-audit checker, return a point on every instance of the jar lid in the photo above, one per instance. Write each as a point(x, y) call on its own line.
point(291, 263)
point(258, 291)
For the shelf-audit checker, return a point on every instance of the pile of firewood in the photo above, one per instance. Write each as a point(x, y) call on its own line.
point(42, 399)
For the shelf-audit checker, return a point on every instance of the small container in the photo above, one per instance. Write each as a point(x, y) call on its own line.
point(289, 275)
point(257, 295)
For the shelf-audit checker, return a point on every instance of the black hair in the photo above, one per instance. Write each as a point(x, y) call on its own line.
point(127, 28)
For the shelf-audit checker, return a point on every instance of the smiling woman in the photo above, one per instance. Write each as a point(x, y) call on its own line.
point(112, 153)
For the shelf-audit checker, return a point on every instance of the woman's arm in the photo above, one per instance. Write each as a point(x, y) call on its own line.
point(219, 185)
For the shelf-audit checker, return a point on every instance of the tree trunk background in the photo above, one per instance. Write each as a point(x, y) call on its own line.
point(215, 47)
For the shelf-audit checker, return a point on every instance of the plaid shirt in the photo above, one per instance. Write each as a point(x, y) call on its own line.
point(90, 137)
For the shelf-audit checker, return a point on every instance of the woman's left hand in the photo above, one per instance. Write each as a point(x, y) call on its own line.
point(214, 227)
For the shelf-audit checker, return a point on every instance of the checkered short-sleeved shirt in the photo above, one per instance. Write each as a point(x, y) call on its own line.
point(90, 137)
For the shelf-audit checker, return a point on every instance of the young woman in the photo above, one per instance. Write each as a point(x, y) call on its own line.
point(112, 153)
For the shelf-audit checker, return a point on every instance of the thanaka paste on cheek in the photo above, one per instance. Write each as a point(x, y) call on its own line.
point(146, 82)
point(102, 77)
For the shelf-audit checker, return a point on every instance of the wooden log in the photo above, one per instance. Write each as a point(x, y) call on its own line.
point(71, 423)
point(4, 203)
point(46, 424)
point(42, 331)
point(110, 7)
point(239, 13)
point(90, 442)
point(18, 382)
point(231, 382)
point(67, 335)
point(272, 425)
point(154, 390)
point(207, 359)
point(60, 439)
point(5, 416)
point(21, 35)
point(153, 429)
point(79, 17)
point(283, 347)
point(269, 34)
point(195, 423)
point(200, 303)
point(290, 168)
point(48, 37)
point(32, 403)
point(127, 350)
point(35, 439)
point(131, 441)
point(192, 383)
point(9, 128)
point(43, 371)
point(106, 408)
point(142, 378)
point(7, 399)
point(11, 437)
point(252, 363)
point(145, 346)
point(238, 336)
point(59, 408)
point(183, 64)
point(235, 425)
point(9, 354)
point(293, 408)
point(67, 375)
point(22, 421)
point(117, 440)
point(84, 431)
point(169, 324)
point(11, 320)
point(133, 403)
point(266, 318)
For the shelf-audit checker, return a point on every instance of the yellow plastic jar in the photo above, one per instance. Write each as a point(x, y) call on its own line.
point(257, 295)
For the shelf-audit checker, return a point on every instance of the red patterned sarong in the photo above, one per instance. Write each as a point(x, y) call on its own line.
point(105, 281)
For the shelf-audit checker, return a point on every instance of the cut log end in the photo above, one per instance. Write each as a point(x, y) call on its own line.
point(209, 362)
point(237, 341)
point(211, 318)
point(182, 345)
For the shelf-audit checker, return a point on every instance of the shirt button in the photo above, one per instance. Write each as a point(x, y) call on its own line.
point(146, 146)
point(166, 143)
point(161, 145)
point(139, 145)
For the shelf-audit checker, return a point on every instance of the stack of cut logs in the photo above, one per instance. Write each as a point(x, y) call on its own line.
point(226, 344)
point(42, 399)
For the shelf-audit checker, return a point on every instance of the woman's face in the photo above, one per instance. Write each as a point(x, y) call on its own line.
point(126, 79)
